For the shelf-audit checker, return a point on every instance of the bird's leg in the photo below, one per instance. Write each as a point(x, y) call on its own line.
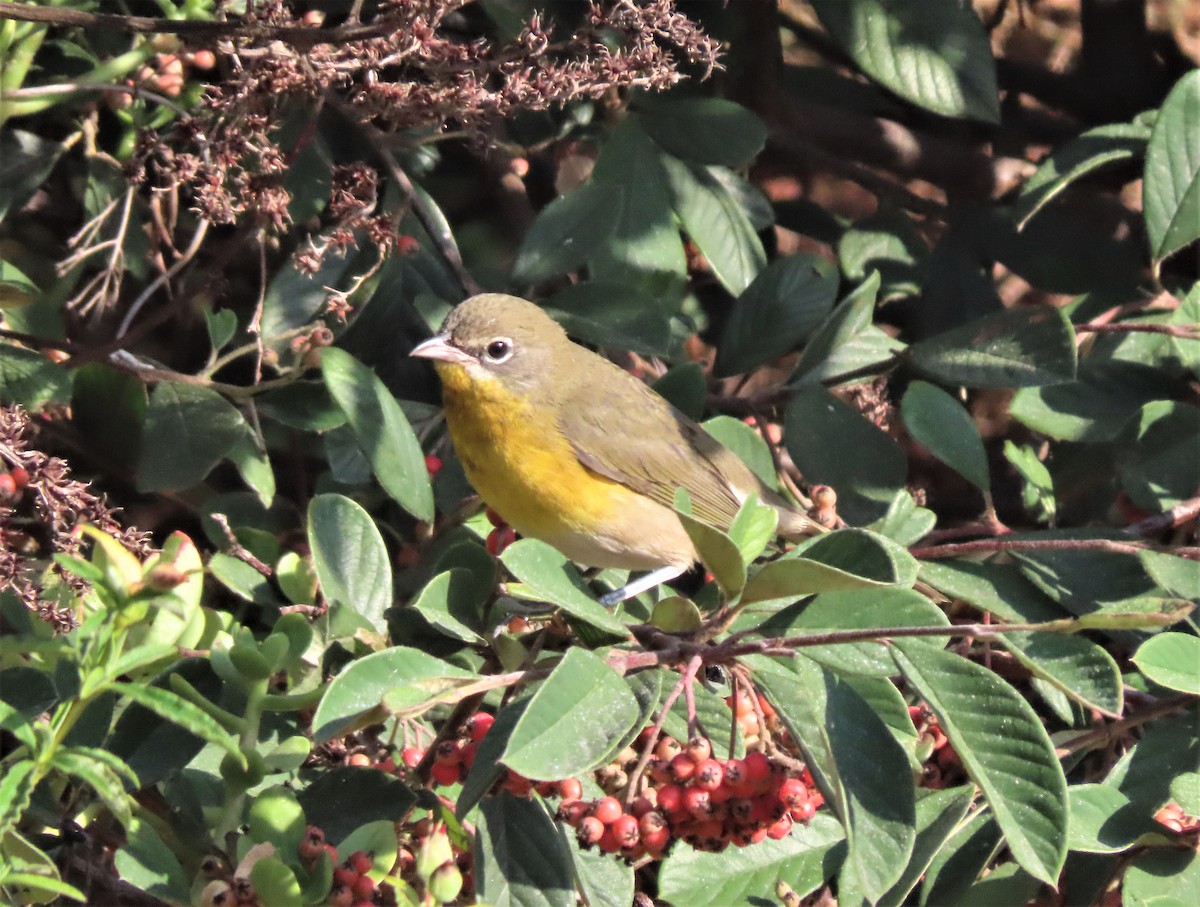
point(641, 584)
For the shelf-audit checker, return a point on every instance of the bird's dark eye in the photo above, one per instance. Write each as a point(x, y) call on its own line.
point(499, 349)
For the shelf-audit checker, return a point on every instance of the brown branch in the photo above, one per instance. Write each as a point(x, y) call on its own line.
point(1109, 733)
point(685, 683)
point(1185, 331)
point(1181, 513)
point(298, 35)
point(980, 546)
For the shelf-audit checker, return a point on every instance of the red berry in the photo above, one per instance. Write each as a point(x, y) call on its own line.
point(570, 788)
point(433, 464)
point(364, 887)
point(448, 752)
point(625, 830)
point(8, 488)
point(590, 830)
point(407, 245)
point(499, 539)
point(758, 767)
point(656, 841)
point(345, 875)
point(479, 724)
point(341, 896)
point(709, 774)
point(659, 770)
point(410, 756)
point(607, 810)
point(781, 828)
point(360, 861)
point(332, 851)
point(804, 811)
point(609, 842)
point(682, 767)
point(651, 822)
point(793, 792)
point(20, 476)
point(696, 800)
point(700, 749)
point(446, 773)
point(494, 518)
point(735, 772)
point(573, 811)
point(466, 755)
point(670, 798)
point(386, 765)
point(643, 804)
point(668, 748)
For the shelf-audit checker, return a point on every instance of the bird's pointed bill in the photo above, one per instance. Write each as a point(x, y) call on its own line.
point(439, 347)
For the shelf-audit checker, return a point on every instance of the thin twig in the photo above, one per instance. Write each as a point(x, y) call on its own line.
point(179, 264)
point(983, 546)
point(1110, 732)
point(1183, 331)
point(685, 682)
point(1181, 513)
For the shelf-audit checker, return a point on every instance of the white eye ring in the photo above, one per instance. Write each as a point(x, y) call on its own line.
point(499, 349)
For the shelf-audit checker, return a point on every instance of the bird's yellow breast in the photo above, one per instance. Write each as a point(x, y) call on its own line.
point(516, 457)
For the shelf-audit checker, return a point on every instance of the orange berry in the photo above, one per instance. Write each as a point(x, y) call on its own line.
point(804, 811)
point(625, 830)
point(699, 749)
point(570, 788)
point(781, 828)
point(573, 811)
point(709, 774)
point(670, 798)
point(360, 759)
point(668, 748)
point(682, 767)
point(607, 810)
point(8, 488)
point(590, 830)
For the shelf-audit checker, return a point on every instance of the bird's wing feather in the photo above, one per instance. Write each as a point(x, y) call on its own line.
point(676, 452)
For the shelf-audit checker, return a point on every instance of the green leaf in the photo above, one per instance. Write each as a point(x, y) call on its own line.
point(832, 444)
point(856, 610)
point(935, 54)
point(1171, 191)
point(106, 783)
point(16, 788)
point(1075, 665)
point(1185, 790)
point(188, 430)
point(520, 860)
point(453, 603)
point(1103, 820)
point(740, 875)
point(793, 295)
point(252, 463)
point(294, 298)
point(716, 223)
point(357, 693)
point(1157, 460)
point(944, 426)
point(938, 814)
point(147, 863)
point(747, 443)
point(1094, 149)
point(31, 380)
point(382, 431)
point(221, 324)
point(376, 796)
point(718, 552)
point(966, 853)
point(862, 552)
point(16, 290)
point(1171, 660)
point(1037, 485)
point(999, 589)
point(1177, 575)
point(275, 883)
point(304, 405)
point(349, 557)
point(548, 576)
point(567, 232)
point(842, 329)
point(645, 248)
point(1162, 878)
point(277, 818)
point(487, 769)
point(177, 710)
point(1025, 347)
point(1004, 748)
point(604, 882)
point(887, 242)
point(584, 701)
point(905, 523)
point(613, 315)
point(753, 528)
point(703, 130)
point(858, 764)
point(26, 160)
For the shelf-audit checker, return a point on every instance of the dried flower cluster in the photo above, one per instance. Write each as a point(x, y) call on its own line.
point(37, 521)
point(420, 66)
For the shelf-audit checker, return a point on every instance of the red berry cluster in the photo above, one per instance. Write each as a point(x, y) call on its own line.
point(692, 796)
point(13, 485)
point(942, 767)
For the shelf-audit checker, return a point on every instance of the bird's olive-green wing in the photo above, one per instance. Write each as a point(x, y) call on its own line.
point(624, 431)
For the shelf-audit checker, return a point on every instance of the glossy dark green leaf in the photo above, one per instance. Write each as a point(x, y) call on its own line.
point(863, 553)
point(1176, 575)
point(718, 552)
point(382, 431)
point(1157, 461)
point(605, 882)
point(703, 130)
point(612, 315)
point(833, 445)
point(935, 54)
point(26, 160)
point(938, 814)
point(997, 588)
point(548, 576)
point(944, 426)
point(685, 387)
point(1171, 193)
point(304, 405)
point(295, 298)
point(747, 443)
point(520, 860)
point(1004, 748)
point(147, 863)
point(1024, 347)
point(858, 764)
point(188, 430)
point(803, 859)
point(358, 691)
point(1037, 484)
point(453, 603)
point(1162, 878)
point(888, 243)
point(1100, 147)
point(1103, 820)
point(715, 221)
point(349, 557)
point(905, 523)
point(844, 328)
point(177, 710)
point(962, 858)
point(1075, 665)
point(567, 232)
point(793, 295)
point(376, 795)
point(30, 379)
point(584, 701)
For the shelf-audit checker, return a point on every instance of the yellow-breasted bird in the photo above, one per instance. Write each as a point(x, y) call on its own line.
point(571, 449)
